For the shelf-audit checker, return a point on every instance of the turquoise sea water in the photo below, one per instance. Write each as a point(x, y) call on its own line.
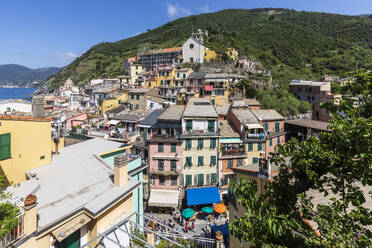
point(16, 93)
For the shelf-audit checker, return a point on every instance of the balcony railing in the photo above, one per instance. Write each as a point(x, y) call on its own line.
point(199, 132)
point(18, 231)
point(255, 135)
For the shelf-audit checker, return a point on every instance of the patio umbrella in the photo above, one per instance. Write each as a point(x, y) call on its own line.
point(220, 208)
point(188, 213)
point(207, 210)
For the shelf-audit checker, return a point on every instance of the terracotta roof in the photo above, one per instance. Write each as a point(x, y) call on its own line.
point(174, 113)
point(245, 116)
point(223, 109)
point(199, 107)
point(320, 125)
point(23, 118)
point(227, 130)
point(251, 101)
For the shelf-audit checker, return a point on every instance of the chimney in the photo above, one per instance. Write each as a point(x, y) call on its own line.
point(120, 170)
point(30, 219)
point(38, 106)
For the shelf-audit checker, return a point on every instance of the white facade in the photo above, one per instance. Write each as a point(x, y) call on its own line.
point(15, 105)
point(192, 51)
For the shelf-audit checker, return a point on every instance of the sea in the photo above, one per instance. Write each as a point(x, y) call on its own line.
point(16, 93)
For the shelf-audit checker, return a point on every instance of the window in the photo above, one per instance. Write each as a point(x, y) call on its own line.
point(200, 160)
point(161, 82)
point(213, 101)
point(250, 147)
point(188, 144)
point(266, 126)
point(213, 160)
point(173, 165)
point(173, 180)
point(188, 161)
point(137, 97)
point(271, 141)
point(160, 165)
point(167, 73)
point(136, 72)
point(278, 142)
point(136, 67)
point(200, 144)
point(212, 143)
point(277, 126)
point(181, 83)
point(161, 180)
point(151, 105)
point(259, 147)
point(132, 97)
point(173, 147)
point(230, 163)
point(254, 160)
point(188, 180)
point(200, 179)
point(4, 146)
point(178, 74)
point(213, 178)
point(137, 106)
point(191, 46)
point(184, 76)
point(176, 83)
point(188, 125)
point(42, 157)
point(149, 84)
point(161, 147)
point(205, 54)
point(240, 162)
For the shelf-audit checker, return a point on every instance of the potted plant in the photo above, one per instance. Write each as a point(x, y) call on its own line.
point(219, 235)
point(30, 199)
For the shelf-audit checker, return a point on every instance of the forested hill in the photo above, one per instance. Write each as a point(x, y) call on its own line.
point(289, 43)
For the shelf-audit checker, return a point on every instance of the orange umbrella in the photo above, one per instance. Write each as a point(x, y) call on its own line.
point(220, 208)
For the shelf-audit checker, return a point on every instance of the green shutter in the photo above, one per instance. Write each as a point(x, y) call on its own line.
point(250, 147)
point(271, 141)
point(259, 147)
point(240, 162)
point(213, 178)
point(277, 126)
point(188, 180)
point(173, 147)
point(211, 126)
point(173, 165)
point(200, 160)
point(188, 144)
point(255, 160)
point(160, 147)
point(200, 144)
point(213, 143)
point(5, 146)
point(188, 125)
point(213, 160)
point(200, 179)
point(160, 165)
point(266, 126)
point(278, 142)
point(188, 161)
point(230, 163)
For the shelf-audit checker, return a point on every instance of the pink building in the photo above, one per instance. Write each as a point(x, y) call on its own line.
point(76, 120)
point(165, 160)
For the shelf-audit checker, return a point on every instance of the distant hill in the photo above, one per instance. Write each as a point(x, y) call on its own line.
point(18, 75)
point(291, 44)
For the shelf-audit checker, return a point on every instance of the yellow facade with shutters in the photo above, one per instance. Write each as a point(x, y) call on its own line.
point(30, 146)
point(254, 151)
point(232, 53)
point(109, 104)
point(210, 55)
point(165, 77)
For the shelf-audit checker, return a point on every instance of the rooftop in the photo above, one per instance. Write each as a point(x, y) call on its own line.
point(245, 116)
point(106, 90)
point(23, 118)
point(227, 130)
point(197, 75)
point(223, 109)
point(151, 118)
point(128, 117)
point(173, 113)
point(15, 101)
point(90, 185)
point(238, 104)
point(267, 114)
point(320, 125)
point(308, 83)
point(199, 107)
point(138, 91)
point(251, 101)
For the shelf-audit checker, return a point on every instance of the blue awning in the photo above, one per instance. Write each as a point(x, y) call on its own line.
point(201, 196)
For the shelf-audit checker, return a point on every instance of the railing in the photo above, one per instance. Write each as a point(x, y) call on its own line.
point(256, 135)
point(198, 132)
point(18, 231)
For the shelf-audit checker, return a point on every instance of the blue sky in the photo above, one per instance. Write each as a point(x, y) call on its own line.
point(39, 33)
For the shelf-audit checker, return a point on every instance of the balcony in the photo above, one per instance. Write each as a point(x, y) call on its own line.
point(232, 150)
point(203, 132)
point(255, 135)
point(166, 172)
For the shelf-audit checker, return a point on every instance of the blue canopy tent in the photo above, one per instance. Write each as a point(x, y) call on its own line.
point(202, 196)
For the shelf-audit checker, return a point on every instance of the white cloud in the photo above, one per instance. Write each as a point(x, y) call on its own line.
point(175, 10)
point(204, 8)
point(66, 56)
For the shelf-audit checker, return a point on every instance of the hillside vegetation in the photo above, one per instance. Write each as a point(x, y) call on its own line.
point(289, 43)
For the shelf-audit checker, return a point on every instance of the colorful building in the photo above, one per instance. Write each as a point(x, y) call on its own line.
point(209, 55)
point(135, 70)
point(232, 53)
point(26, 143)
point(216, 87)
point(166, 160)
point(200, 138)
point(232, 153)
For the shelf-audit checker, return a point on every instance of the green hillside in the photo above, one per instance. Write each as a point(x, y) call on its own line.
point(289, 43)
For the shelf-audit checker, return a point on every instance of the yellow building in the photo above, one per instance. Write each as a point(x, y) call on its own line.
point(209, 55)
point(113, 102)
point(25, 144)
point(135, 70)
point(217, 88)
point(165, 76)
point(232, 53)
point(79, 196)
